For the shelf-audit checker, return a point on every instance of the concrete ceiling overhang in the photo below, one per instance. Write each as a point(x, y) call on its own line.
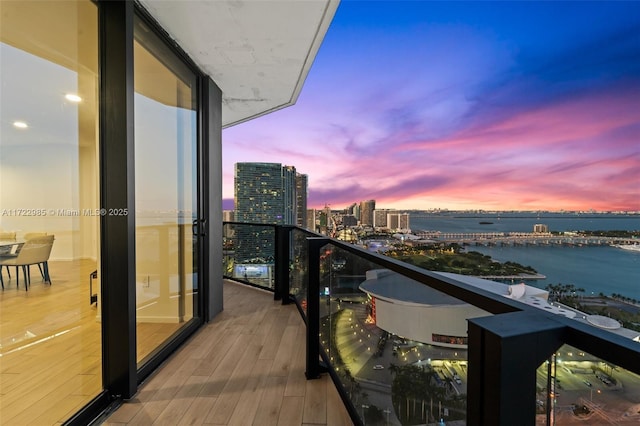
point(258, 52)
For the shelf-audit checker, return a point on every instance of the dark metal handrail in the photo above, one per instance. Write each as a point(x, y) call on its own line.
point(604, 344)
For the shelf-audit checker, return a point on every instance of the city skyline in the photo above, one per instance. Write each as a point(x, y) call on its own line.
point(452, 105)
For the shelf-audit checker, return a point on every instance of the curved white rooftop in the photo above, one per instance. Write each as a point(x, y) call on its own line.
point(395, 288)
point(388, 285)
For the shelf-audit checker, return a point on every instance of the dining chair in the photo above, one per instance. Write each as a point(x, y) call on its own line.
point(32, 235)
point(35, 251)
point(7, 236)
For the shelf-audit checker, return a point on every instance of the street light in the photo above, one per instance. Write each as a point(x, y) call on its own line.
point(364, 422)
point(387, 412)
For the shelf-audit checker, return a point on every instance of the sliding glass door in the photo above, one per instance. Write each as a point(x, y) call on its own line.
point(166, 176)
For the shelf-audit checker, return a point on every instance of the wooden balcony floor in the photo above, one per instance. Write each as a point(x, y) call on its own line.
point(246, 367)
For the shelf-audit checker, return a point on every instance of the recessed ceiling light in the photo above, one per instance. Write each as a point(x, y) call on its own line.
point(73, 98)
point(20, 124)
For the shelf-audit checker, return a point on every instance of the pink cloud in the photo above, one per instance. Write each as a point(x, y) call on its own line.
point(580, 153)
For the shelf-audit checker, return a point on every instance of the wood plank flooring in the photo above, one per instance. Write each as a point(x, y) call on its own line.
point(244, 368)
point(50, 345)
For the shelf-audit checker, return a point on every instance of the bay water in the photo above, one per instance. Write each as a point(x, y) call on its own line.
point(596, 269)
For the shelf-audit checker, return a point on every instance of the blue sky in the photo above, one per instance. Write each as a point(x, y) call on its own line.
point(492, 105)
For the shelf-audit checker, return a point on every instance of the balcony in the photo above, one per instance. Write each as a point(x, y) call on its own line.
point(400, 344)
point(245, 367)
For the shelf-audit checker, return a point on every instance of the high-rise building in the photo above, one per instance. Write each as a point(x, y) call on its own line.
point(393, 221)
point(311, 219)
point(301, 199)
point(366, 212)
point(259, 193)
point(404, 221)
point(328, 221)
point(259, 198)
point(265, 193)
point(229, 231)
point(228, 215)
point(289, 182)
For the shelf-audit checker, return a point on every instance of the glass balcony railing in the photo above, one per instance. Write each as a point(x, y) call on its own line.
point(409, 346)
point(249, 253)
point(575, 386)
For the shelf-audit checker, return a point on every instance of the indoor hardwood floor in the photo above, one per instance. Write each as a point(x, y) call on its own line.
point(244, 368)
point(50, 345)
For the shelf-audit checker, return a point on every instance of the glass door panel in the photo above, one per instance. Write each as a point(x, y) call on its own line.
point(166, 188)
point(50, 325)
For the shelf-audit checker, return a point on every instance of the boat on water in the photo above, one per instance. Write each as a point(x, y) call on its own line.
point(632, 247)
point(485, 223)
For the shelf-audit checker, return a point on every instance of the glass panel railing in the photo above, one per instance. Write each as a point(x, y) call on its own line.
point(249, 253)
point(398, 347)
point(299, 266)
point(228, 249)
point(575, 386)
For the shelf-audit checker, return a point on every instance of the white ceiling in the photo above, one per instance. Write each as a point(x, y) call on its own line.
point(258, 52)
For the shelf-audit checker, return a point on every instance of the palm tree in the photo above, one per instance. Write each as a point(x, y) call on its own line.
point(413, 383)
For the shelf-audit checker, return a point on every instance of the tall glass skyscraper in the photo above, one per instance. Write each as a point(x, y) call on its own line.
point(265, 193)
point(289, 193)
point(259, 193)
point(301, 200)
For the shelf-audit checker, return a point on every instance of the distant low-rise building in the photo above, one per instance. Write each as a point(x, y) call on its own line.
point(540, 228)
point(380, 217)
point(349, 220)
point(398, 221)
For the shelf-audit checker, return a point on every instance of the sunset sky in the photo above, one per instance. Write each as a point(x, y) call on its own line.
point(463, 105)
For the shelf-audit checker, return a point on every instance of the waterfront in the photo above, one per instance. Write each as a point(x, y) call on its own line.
point(596, 269)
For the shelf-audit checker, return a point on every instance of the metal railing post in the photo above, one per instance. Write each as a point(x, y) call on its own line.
point(282, 250)
point(504, 353)
point(314, 244)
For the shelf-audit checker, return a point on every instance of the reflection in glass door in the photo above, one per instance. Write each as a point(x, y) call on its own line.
point(166, 192)
point(50, 325)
